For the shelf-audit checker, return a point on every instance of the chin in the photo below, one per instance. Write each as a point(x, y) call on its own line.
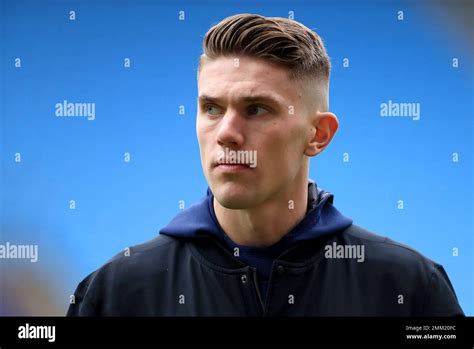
point(233, 203)
point(235, 199)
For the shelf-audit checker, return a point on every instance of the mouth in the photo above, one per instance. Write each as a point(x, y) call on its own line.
point(231, 168)
point(234, 161)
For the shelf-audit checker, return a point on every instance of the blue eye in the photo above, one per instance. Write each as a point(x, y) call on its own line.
point(212, 110)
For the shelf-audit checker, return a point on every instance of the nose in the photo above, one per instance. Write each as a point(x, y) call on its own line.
point(230, 132)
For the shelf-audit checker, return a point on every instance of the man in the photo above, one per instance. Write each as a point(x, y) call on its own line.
point(265, 240)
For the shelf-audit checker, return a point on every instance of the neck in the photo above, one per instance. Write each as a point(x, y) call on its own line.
point(267, 223)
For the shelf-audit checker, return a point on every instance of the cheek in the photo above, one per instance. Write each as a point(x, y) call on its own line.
point(202, 134)
point(205, 139)
point(199, 128)
point(288, 148)
point(202, 148)
point(298, 138)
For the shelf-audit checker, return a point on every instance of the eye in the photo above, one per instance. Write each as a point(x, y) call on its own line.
point(212, 110)
point(256, 110)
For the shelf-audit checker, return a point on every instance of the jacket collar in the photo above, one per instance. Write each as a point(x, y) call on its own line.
point(199, 226)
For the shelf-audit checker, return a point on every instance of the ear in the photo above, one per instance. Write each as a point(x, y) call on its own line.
point(323, 127)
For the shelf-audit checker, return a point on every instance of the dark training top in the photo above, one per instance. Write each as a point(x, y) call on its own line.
point(325, 266)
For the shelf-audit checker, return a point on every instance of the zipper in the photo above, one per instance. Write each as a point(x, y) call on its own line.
point(259, 296)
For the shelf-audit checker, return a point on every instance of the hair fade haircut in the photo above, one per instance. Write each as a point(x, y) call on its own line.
point(279, 40)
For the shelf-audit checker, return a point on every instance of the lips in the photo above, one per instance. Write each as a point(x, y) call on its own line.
point(230, 164)
point(231, 168)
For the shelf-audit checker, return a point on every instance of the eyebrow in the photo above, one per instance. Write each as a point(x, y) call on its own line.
point(264, 98)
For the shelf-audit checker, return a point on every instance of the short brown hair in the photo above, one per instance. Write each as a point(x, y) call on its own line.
point(280, 40)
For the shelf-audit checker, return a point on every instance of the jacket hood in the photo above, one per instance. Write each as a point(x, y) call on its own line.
point(322, 218)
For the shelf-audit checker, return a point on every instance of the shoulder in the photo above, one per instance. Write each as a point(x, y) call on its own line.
point(383, 250)
point(396, 266)
point(134, 261)
point(389, 261)
point(135, 267)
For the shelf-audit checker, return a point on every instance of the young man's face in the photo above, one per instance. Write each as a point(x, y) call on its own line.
point(247, 104)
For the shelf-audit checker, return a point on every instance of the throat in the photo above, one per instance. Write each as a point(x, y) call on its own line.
point(261, 226)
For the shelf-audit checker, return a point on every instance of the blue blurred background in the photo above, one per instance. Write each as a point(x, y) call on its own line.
point(145, 113)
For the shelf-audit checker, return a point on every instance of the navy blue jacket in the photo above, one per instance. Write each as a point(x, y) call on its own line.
point(325, 266)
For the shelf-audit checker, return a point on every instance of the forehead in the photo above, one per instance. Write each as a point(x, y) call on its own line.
point(238, 76)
